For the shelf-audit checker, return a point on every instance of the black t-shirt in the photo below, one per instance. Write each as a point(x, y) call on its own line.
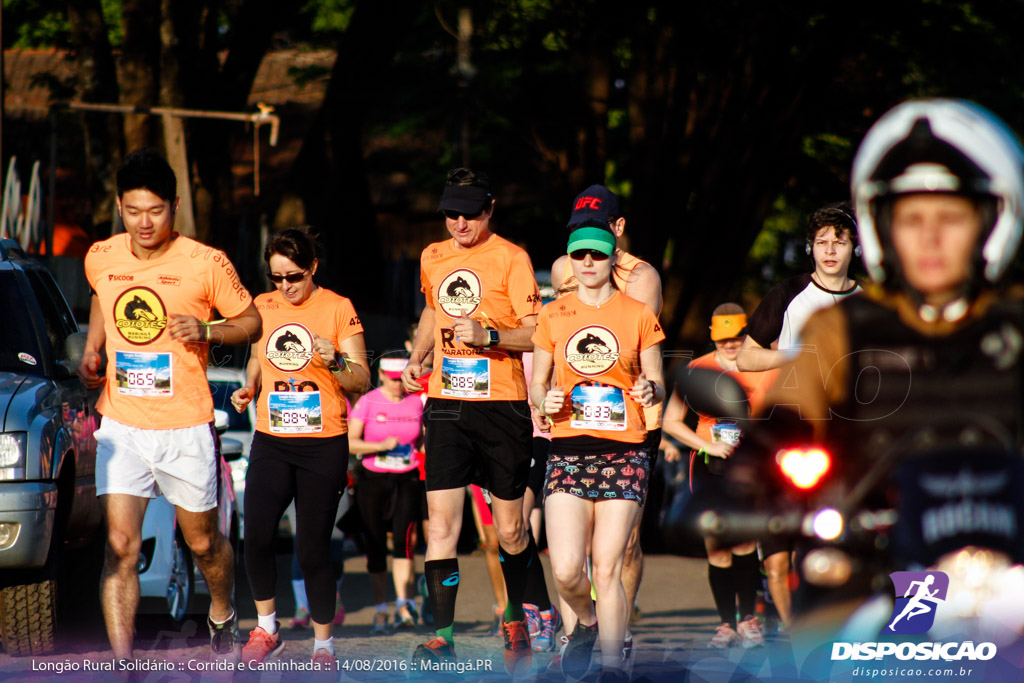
point(787, 306)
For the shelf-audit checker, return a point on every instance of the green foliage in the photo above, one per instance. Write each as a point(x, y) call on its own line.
point(44, 24)
point(34, 24)
point(329, 18)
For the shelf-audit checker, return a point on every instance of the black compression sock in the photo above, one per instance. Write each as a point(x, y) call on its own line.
point(536, 585)
point(514, 568)
point(443, 586)
point(747, 577)
point(723, 590)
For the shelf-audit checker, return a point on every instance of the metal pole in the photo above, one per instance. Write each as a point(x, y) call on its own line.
point(174, 140)
point(3, 92)
point(51, 199)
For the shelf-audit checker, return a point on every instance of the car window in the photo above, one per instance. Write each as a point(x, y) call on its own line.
point(19, 347)
point(58, 320)
point(221, 391)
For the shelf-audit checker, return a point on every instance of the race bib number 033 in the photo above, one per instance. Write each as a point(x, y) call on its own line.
point(144, 374)
point(598, 407)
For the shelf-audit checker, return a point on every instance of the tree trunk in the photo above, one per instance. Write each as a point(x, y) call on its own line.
point(97, 82)
point(140, 70)
point(330, 174)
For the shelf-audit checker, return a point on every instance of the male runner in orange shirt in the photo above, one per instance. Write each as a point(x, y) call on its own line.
point(154, 294)
point(482, 305)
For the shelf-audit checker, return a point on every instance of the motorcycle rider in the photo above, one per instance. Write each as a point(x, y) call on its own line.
point(938, 187)
point(931, 351)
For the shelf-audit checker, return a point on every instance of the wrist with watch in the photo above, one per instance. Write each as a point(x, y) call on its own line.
point(333, 366)
point(492, 339)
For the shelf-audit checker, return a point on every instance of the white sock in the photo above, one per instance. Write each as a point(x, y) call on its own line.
point(299, 589)
point(221, 623)
point(268, 623)
point(323, 645)
point(399, 602)
point(382, 607)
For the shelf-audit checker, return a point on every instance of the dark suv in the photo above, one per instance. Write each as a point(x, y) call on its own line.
point(47, 450)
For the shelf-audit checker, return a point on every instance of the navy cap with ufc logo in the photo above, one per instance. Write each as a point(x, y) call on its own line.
point(597, 203)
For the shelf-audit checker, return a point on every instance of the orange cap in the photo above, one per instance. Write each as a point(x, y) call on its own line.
point(727, 326)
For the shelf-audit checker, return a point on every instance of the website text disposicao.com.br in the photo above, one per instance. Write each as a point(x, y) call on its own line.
point(912, 672)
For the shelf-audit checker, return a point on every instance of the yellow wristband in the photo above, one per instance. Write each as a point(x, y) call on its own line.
point(206, 325)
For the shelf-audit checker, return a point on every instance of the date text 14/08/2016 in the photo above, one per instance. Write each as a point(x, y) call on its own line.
point(457, 667)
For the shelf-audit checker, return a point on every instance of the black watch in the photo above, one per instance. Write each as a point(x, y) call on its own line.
point(492, 337)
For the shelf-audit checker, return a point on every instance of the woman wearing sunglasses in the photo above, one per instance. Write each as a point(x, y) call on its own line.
point(604, 349)
point(311, 353)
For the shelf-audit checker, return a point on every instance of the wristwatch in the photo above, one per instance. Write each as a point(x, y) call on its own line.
point(333, 365)
point(492, 337)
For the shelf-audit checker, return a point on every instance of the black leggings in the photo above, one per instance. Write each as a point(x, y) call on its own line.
point(279, 472)
point(382, 497)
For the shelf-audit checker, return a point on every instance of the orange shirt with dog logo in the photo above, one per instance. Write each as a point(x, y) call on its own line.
point(153, 381)
point(298, 394)
point(596, 355)
point(494, 284)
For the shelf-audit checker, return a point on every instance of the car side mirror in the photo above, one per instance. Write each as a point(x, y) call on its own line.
point(74, 348)
point(220, 421)
point(230, 449)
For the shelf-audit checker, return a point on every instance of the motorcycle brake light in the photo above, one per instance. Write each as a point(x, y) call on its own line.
point(804, 467)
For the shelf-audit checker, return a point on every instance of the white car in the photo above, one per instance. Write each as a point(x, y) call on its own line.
point(241, 426)
point(168, 577)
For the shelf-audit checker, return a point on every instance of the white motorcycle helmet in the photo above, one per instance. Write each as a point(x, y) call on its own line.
point(939, 145)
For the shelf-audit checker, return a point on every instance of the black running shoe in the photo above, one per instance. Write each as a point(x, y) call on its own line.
point(579, 651)
point(224, 638)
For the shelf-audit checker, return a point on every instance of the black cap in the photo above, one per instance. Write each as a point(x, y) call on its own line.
point(596, 202)
point(466, 199)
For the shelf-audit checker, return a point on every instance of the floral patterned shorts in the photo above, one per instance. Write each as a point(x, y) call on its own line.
point(596, 478)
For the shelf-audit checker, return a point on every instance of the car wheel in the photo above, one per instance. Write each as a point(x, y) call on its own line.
point(28, 607)
point(182, 580)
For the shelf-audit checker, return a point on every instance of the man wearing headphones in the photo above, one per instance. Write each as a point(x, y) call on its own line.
point(773, 336)
point(774, 328)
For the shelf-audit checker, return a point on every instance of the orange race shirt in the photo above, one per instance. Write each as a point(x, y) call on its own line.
point(755, 384)
point(596, 353)
point(153, 381)
point(494, 284)
point(621, 273)
point(298, 394)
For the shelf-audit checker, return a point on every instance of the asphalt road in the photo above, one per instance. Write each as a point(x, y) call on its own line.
point(671, 637)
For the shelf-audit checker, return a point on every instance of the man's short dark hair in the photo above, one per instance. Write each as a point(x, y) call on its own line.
point(838, 215)
point(145, 169)
point(467, 176)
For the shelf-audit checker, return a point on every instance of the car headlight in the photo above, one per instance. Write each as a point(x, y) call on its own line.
point(12, 454)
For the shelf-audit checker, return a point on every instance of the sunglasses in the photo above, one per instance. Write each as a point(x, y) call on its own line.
point(290, 277)
point(453, 215)
point(581, 254)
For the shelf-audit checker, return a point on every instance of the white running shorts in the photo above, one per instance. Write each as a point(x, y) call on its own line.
point(178, 463)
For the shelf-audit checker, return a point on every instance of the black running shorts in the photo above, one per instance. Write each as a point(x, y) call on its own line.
point(487, 443)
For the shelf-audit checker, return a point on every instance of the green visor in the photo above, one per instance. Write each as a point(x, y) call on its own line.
point(599, 239)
